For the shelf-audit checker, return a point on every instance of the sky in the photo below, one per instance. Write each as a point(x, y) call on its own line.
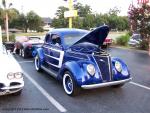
point(47, 8)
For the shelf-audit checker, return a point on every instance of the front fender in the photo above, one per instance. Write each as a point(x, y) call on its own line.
point(40, 53)
point(79, 72)
point(124, 74)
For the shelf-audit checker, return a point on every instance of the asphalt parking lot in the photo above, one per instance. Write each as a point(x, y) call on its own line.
point(43, 94)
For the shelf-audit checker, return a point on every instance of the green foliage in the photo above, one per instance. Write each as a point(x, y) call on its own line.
point(83, 10)
point(16, 20)
point(123, 40)
point(140, 21)
point(87, 19)
point(144, 45)
point(33, 20)
point(40, 29)
point(11, 38)
point(60, 21)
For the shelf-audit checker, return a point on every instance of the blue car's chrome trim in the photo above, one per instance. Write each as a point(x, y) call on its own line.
point(105, 84)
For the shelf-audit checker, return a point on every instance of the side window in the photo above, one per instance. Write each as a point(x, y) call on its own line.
point(56, 40)
point(48, 39)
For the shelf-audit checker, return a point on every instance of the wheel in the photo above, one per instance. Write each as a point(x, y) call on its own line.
point(17, 93)
point(69, 84)
point(117, 86)
point(16, 51)
point(23, 53)
point(37, 63)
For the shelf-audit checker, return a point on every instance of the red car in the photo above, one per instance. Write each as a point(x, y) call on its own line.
point(24, 46)
point(107, 42)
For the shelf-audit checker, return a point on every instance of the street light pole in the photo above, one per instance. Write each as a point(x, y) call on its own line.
point(6, 25)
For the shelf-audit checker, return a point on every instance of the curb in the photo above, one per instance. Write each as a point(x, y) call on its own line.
point(131, 49)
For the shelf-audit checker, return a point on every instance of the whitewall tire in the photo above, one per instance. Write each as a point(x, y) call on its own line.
point(37, 63)
point(69, 84)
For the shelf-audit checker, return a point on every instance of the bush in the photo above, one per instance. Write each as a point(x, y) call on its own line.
point(144, 45)
point(11, 38)
point(123, 40)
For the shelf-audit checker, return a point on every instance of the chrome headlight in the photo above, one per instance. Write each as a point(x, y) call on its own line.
point(10, 76)
point(118, 66)
point(18, 75)
point(91, 69)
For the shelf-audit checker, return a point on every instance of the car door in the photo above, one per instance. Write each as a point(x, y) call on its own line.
point(56, 52)
point(46, 47)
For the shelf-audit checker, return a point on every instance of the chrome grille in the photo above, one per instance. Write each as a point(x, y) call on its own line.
point(14, 83)
point(104, 64)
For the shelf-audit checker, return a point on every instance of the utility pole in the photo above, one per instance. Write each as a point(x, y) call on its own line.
point(6, 25)
point(6, 8)
point(71, 13)
point(70, 9)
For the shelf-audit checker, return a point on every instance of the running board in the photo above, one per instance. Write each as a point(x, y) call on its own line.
point(49, 71)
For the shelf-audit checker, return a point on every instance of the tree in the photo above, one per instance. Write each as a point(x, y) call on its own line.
point(2, 17)
point(60, 21)
point(33, 21)
point(83, 11)
point(140, 21)
point(21, 23)
point(114, 11)
point(86, 19)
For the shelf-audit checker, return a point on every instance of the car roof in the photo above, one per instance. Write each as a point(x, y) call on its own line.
point(63, 31)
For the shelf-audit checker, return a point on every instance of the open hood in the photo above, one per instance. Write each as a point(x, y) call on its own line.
point(96, 36)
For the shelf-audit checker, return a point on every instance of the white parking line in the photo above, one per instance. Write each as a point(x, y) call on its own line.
point(139, 85)
point(20, 62)
point(46, 94)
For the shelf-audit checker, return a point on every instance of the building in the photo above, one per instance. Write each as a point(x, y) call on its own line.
point(47, 23)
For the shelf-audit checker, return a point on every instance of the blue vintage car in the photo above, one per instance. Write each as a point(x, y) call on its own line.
point(75, 57)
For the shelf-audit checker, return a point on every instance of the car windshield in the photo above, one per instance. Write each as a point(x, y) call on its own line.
point(71, 38)
point(136, 37)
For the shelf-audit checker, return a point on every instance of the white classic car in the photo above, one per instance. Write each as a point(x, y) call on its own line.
point(11, 76)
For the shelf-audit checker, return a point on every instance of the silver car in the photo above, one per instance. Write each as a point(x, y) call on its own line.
point(135, 40)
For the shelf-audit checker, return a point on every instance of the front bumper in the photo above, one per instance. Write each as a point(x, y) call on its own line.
point(11, 89)
point(92, 86)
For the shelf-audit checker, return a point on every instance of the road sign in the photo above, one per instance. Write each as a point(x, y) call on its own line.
point(71, 13)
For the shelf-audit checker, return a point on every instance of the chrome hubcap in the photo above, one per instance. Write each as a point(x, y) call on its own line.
point(68, 84)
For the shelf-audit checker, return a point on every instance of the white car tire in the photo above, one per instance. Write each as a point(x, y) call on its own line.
point(37, 63)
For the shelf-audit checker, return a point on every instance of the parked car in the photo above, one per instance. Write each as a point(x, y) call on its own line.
point(11, 78)
point(74, 57)
point(24, 46)
point(135, 40)
point(107, 41)
point(9, 45)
